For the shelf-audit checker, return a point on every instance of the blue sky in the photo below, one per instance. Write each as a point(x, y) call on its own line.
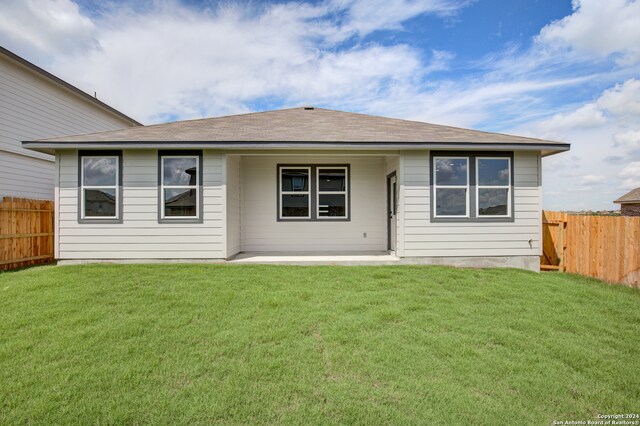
point(554, 69)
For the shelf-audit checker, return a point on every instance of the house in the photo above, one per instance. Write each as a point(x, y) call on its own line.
point(630, 203)
point(302, 180)
point(35, 104)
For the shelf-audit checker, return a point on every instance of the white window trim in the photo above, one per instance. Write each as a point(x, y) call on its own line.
point(436, 186)
point(115, 188)
point(307, 192)
point(479, 187)
point(196, 187)
point(345, 192)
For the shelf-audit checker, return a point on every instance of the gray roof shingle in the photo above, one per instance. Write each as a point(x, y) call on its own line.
point(305, 124)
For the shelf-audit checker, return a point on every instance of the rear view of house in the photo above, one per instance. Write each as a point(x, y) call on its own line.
point(35, 104)
point(303, 180)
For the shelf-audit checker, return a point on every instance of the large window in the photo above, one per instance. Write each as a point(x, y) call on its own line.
point(100, 185)
point(295, 195)
point(493, 187)
point(313, 192)
point(180, 186)
point(472, 187)
point(332, 192)
point(451, 186)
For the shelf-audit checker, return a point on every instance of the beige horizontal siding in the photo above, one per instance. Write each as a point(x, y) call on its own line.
point(35, 107)
point(251, 201)
point(421, 237)
point(154, 232)
point(27, 177)
point(208, 226)
point(140, 235)
point(262, 232)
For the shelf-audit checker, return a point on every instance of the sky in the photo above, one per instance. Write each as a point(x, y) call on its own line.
point(554, 69)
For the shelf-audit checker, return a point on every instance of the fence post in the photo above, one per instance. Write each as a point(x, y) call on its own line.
point(561, 245)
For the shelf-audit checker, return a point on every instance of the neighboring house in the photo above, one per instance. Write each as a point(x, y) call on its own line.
point(300, 180)
point(630, 203)
point(33, 105)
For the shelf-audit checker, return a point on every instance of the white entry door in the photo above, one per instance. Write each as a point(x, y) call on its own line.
point(392, 210)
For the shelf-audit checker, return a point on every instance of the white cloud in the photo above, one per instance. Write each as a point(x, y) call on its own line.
point(366, 16)
point(622, 100)
point(586, 116)
point(620, 103)
point(582, 189)
point(592, 179)
point(440, 60)
point(629, 139)
point(468, 102)
point(631, 175)
point(40, 28)
point(599, 27)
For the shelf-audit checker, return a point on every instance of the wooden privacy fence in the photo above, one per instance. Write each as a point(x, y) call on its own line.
point(604, 247)
point(26, 232)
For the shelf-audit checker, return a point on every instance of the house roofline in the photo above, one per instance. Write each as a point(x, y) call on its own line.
point(49, 147)
point(69, 86)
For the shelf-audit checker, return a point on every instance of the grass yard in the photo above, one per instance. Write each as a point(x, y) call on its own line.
point(178, 344)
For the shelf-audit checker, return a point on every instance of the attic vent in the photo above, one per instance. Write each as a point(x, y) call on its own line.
point(309, 108)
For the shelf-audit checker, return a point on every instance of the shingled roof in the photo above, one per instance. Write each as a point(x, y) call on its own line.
point(632, 196)
point(296, 127)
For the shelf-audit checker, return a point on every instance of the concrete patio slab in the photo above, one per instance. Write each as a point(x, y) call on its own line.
point(315, 258)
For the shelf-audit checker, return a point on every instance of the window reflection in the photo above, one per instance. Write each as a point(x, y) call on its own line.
point(99, 202)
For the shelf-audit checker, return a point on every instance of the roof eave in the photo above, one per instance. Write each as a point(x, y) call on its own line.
point(51, 147)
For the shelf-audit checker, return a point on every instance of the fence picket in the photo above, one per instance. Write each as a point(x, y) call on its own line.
point(26, 232)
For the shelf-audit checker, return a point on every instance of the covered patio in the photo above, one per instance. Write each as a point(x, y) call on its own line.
point(315, 206)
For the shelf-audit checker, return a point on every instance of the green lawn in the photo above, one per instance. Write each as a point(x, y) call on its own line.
point(167, 344)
